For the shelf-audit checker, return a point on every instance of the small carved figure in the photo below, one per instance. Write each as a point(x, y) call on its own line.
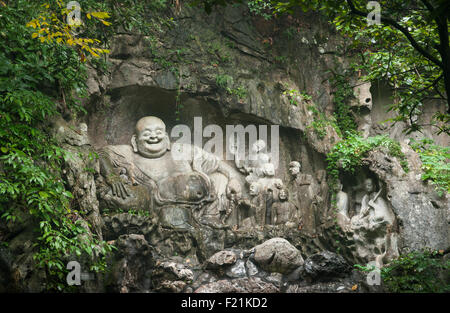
point(269, 199)
point(251, 211)
point(374, 226)
point(323, 195)
point(374, 209)
point(268, 181)
point(284, 212)
point(342, 205)
point(301, 188)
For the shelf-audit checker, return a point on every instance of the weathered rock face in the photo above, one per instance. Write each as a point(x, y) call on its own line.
point(171, 277)
point(378, 116)
point(423, 216)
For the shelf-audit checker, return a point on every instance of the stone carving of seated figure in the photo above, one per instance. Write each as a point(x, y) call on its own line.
point(373, 226)
point(283, 211)
point(374, 209)
point(146, 175)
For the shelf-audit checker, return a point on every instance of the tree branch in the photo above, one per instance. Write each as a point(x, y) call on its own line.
point(391, 22)
point(428, 5)
point(422, 90)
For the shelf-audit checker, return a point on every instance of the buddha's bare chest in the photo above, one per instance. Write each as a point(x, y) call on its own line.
point(162, 167)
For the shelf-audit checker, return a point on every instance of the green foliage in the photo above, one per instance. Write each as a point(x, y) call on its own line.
point(295, 96)
point(226, 82)
point(282, 59)
point(290, 32)
point(262, 8)
point(139, 213)
point(240, 92)
point(319, 123)
point(343, 115)
point(418, 271)
point(404, 50)
point(435, 164)
point(347, 155)
point(219, 51)
point(138, 16)
point(37, 82)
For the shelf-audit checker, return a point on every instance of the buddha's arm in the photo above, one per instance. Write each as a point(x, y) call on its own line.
point(112, 179)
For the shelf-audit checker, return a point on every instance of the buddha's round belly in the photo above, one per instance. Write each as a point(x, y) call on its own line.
point(184, 188)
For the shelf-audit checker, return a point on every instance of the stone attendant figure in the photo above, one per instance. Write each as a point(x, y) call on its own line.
point(301, 188)
point(283, 211)
point(374, 209)
point(374, 226)
point(342, 205)
point(269, 199)
point(176, 189)
point(323, 195)
point(251, 210)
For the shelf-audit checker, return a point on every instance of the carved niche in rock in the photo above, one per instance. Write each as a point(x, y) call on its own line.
point(374, 227)
point(151, 175)
point(263, 185)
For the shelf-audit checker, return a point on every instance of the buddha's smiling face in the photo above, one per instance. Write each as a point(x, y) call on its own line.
point(150, 139)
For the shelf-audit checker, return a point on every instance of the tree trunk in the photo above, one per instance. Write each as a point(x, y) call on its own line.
point(444, 51)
